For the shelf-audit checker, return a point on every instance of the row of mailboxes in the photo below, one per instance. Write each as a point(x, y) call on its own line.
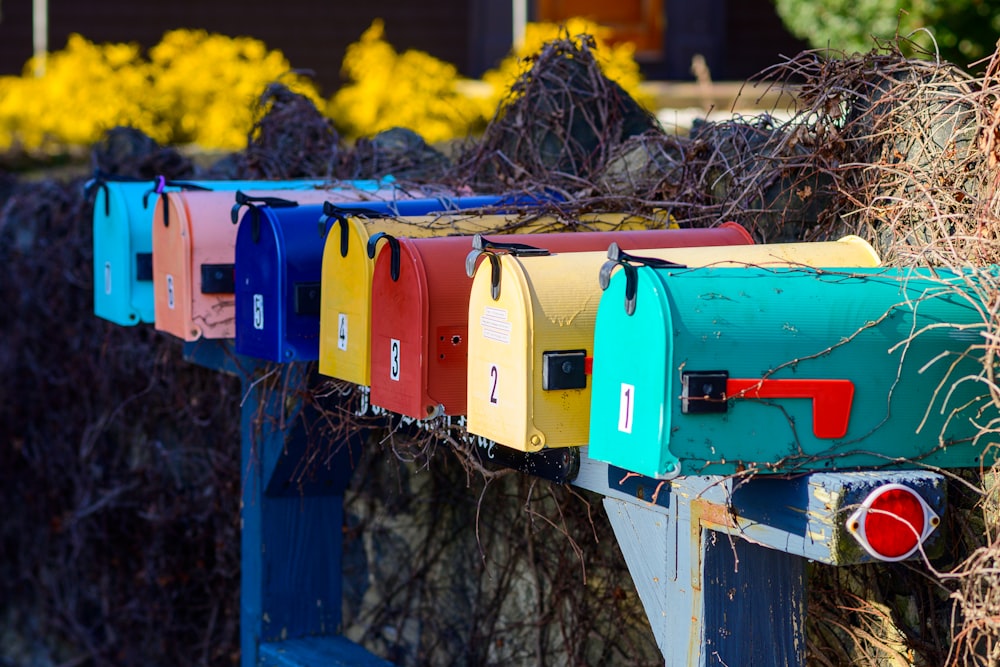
point(288, 256)
point(123, 238)
point(722, 371)
point(348, 272)
point(420, 305)
point(195, 237)
point(531, 334)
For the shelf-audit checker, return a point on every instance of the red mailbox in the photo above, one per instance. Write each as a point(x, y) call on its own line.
point(420, 305)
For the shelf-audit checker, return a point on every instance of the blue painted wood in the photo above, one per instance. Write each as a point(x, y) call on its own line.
point(318, 652)
point(804, 515)
point(711, 599)
point(291, 537)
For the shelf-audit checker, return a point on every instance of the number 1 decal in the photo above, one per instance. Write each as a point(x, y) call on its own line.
point(494, 380)
point(626, 402)
point(342, 331)
point(394, 359)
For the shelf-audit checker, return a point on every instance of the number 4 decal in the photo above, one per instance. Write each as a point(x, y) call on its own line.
point(342, 331)
point(626, 403)
point(494, 381)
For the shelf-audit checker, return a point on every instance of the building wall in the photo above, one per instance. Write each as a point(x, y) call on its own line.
point(738, 37)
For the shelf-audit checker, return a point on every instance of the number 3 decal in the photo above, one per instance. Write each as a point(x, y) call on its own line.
point(394, 359)
point(494, 379)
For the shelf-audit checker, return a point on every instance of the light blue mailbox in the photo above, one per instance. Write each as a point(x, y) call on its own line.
point(741, 370)
point(123, 239)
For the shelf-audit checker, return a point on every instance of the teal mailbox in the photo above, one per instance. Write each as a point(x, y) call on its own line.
point(743, 370)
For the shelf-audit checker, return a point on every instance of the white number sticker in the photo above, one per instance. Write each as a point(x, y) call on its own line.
point(107, 277)
point(625, 405)
point(342, 331)
point(394, 359)
point(258, 311)
point(170, 291)
point(494, 384)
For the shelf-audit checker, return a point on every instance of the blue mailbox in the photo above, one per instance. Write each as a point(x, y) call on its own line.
point(123, 239)
point(752, 370)
point(279, 258)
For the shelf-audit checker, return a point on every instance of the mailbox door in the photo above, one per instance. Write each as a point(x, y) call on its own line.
point(172, 265)
point(426, 310)
point(260, 327)
point(123, 281)
point(901, 339)
point(564, 295)
point(400, 323)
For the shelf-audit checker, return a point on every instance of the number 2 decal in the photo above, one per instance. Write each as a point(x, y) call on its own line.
point(394, 359)
point(494, 379)
point(626, 403)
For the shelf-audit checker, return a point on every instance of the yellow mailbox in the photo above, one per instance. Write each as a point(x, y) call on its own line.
point(345, 294)
point(531, 333)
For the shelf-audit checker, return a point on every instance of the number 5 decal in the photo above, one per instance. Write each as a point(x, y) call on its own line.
point(394, 359)
point(494, 381)
point(626, 403)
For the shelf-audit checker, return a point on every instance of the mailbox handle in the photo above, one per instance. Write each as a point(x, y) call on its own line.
point(253, 205)
point(616, 257)
point(333, 214)
point(482, 246)
point(831, 399)
point(393, 252)
point(161, 182)
point(100, 182)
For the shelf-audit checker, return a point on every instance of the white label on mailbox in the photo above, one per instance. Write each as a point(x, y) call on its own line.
point(495, 325)
point(625, 406)
point(170, 291)
point(394, 359)
point(494, 384)
point(258, 311)
point(342, 331)
point(107, 277)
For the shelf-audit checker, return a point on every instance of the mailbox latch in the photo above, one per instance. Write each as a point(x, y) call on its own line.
point(307, 298)
point(564, 369)
point(703, 392)
point(218, 279)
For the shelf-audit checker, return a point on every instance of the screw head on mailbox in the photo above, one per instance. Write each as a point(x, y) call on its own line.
point(549, 304)
point(123, 240)
point(425, 308)
point(823, 369)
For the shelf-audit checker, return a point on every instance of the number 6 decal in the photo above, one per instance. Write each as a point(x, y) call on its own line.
point(625, 405)
point(494, 381)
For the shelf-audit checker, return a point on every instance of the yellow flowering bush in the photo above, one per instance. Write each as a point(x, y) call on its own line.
point(195, 87)
point(617, 62)
point(205, 85)
point(389, 89)
point(85, 90)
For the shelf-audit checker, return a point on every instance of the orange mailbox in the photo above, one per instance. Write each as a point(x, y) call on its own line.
point(420, 305)
point(194, 252)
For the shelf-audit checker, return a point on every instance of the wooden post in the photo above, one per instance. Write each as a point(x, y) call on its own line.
point(291, 537)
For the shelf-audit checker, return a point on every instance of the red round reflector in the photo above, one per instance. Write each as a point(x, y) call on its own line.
point(892, 522)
